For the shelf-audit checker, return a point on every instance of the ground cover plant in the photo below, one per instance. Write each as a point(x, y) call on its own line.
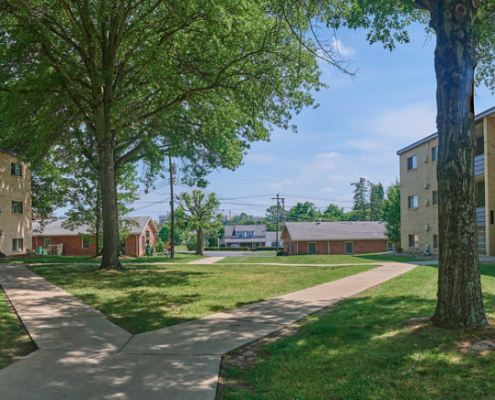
point(14, 340)
point(377, 346)
point(318, 259)
point(151, 296)
point(178, 258)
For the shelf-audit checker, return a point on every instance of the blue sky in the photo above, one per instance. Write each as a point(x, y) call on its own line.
point(355, 132)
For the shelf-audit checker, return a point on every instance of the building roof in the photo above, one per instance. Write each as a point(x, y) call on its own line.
point(8, 152)
point(478, 117)
point(359, 230)
point(56, 228)
point(259, 230)
point(272, 236)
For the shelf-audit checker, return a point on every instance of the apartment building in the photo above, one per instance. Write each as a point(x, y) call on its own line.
point(419, 189)
point(15, 204)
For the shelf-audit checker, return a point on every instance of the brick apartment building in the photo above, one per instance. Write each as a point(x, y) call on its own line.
point(419, 190)
point(54, 233)
point(15, 204)
point(337, 238)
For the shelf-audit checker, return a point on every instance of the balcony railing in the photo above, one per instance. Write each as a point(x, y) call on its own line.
point(479, 165)
point(480, 216)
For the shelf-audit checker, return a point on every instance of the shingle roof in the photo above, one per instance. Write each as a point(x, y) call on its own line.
point(272, 236)
point(55, 228)
point(364, 230)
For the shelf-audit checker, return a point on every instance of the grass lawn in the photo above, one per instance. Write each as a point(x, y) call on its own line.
point(178, 258)
point(148, 297)
point(365, 348)
point(317, 259)
point(14, 341)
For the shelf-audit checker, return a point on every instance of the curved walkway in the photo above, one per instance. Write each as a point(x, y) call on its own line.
point(84, 356)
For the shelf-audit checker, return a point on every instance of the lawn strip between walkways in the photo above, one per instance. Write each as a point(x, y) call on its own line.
point(372, 346)
point(178, 258)
point(317, 259)
point(15, 343)
point(153, 296)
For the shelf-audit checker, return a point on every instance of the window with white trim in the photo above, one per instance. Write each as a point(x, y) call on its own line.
point(434, 153)
point(412, 162)
point(412, 201)
point(16, 170)
point(85, 244)
point(349, 247)
point(17, 244)
point(413, 241)
point(390, 246)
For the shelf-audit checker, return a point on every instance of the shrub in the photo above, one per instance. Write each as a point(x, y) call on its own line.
point(399, 250)
point(264, 248)
point(159, 246)
point(191, 242)
point(227, 248)
point(280, 253)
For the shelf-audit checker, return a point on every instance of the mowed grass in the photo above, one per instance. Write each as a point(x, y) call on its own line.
point(365, 348)
point(178, 258)
point(14, 341)
point(148, 297)
point(317, 259)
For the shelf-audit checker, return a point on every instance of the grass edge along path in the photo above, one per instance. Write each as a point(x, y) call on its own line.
point(313, 259)
point(149, 297)
point(15, 342)
point(375, 345)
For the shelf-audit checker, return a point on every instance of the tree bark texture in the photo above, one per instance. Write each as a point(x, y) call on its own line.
point(460, 302)
point(199, 242)
point(110, 258)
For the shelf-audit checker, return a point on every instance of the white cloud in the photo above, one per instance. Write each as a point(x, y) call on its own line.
point(287, 181)
point(326, 166)
point(339, 47)
point(328, 189)
point(332, 154)
point(276, 186)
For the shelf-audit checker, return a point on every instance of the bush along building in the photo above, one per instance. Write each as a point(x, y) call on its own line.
point(419, 189)
point(337, 238)
point(15, 205)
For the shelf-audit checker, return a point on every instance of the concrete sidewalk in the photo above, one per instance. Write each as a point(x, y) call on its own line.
point(82, 355)
point(207, 260)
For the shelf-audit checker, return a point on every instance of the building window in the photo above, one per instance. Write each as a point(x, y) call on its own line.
point(390, 246)
point(143, 241)
point(85, 244)
point(16, 169)
point(480, 146)
point(435, 198)
point(17, 244)
point(17, 207)
point(413, 201)
point(412, 162)
point(47, 242)
point(434, 153)
point(435, 241)
point(311, 248)
point(349, 247)
point(413, 241)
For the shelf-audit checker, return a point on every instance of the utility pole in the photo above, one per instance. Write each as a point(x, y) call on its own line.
point(172, 249)
point(230, 217)
point(278, 202)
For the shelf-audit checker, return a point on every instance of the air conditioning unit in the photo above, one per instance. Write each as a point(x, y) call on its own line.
point(425, 159)
point(427, 202)
point(427, 227)
point(427, 185)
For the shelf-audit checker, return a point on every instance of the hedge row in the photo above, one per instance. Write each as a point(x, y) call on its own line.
point(264, 248)
point(226, 248)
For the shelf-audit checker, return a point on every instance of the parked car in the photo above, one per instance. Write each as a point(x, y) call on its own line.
point(235, 245)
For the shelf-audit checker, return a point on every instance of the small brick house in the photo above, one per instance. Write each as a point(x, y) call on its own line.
point(337, 238)
point(55, 233)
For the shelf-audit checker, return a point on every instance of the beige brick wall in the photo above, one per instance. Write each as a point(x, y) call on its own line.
point(413, 221)
point(14, 226)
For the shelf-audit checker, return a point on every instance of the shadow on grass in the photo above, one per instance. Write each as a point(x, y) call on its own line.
point(364, 348)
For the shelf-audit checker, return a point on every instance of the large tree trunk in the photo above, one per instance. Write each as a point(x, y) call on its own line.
point(199, 242)
point(460, 302)
point(110, 259)
point(98, 216)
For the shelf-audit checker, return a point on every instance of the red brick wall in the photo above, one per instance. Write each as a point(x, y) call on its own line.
point(337, 247)
point(73, 244)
